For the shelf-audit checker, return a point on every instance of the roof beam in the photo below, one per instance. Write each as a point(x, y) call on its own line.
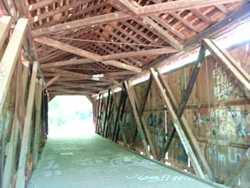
point(52, 81)
point(66, 73)
point(133, 8)
point(143, 11)
point(122, 55)
point(181, 5)
point(83, 53)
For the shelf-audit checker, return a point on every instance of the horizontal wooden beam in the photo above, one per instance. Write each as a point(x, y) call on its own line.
point(77, 85)
point(122, 55)
point(151, 52)
point(143, 11)
point(83, 53)
point(69, 62)
point(69, 91)
point(70, 74)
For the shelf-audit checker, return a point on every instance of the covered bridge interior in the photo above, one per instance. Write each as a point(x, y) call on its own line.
point(169, 83)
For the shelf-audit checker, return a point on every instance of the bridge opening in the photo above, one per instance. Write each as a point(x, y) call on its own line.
point(70, 117)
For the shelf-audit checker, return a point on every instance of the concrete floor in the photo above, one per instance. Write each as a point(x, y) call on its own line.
point(96, 162)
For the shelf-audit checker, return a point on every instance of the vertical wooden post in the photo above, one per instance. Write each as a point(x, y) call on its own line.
point(110, 109)
point(25, 144)
point(9, 58)
point(185, 96)
point(37, 134)
point(119, 116)
point(139, 113)
point(138, 122)
point(106, 113)
point(17, 123)
point(5, 122)
point(97, 113)
point(4, 28)
point(178, 126)
point(100, 113)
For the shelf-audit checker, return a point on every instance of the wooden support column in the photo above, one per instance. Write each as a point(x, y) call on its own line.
point(101, 115)
point(25, 144)
point(107, 109)
point(177, 122)
point(37, 134)
point(4, 28)
point(131, 96)
point(9, 58)
point(99, 100)
point(144, 104)
point(119, 116)
point(139, 113)
point(44, 127)
point(185, 96)
point(9, 169)
point(110, 108)
point(4, 123)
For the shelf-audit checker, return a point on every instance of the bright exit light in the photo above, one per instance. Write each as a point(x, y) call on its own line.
point(70, 117)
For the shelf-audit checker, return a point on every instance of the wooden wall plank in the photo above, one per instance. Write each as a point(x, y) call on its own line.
point(25, 144)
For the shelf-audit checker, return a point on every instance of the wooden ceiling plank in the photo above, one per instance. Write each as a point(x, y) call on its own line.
point(41, 4)
point(154, 27)
point(57, 11)
point(170, 6)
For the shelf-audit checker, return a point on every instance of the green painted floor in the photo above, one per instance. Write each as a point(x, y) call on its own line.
point(96, 162)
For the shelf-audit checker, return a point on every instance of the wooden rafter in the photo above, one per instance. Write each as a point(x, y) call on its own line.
point(152, 24)
point(84, 53)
